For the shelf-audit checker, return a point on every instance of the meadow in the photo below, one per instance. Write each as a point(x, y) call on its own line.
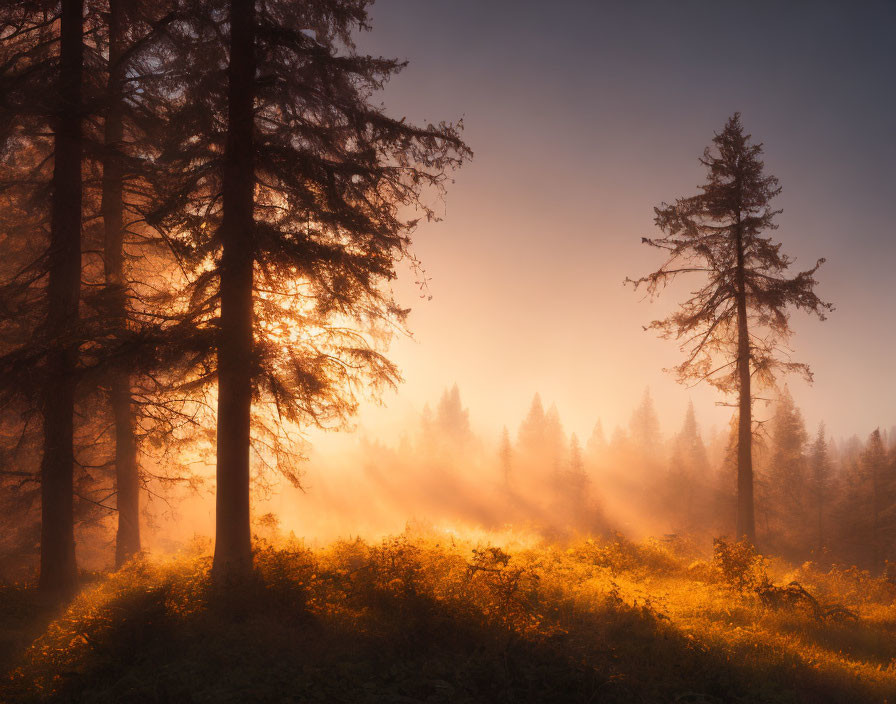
point(430, 616)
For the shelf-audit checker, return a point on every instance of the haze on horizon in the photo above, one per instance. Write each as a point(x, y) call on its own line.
point(582, 119)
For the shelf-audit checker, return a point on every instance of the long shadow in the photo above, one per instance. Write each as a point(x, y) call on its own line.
point(397, 645)
point(25, 613)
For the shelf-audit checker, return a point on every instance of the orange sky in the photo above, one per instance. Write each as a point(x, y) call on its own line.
point(582, 118)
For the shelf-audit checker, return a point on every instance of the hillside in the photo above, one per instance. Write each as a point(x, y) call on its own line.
point(440, 618)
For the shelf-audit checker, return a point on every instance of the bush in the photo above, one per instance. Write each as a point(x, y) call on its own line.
point(740, 566)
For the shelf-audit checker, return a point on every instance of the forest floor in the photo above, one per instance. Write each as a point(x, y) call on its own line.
point(435, 618)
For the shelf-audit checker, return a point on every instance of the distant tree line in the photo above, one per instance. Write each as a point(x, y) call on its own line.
point(817, 498)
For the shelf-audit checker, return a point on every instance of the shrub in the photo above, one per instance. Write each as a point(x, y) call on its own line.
point(741, 567)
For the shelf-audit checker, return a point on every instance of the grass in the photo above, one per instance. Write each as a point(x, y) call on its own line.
point(429, 618)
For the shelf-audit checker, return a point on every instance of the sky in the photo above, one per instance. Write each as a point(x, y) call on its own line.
point(583, 116)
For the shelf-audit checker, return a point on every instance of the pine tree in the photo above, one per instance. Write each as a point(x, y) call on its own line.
point(732, 329)
point(554, 440)
point(820, 477)
point(689, 470)
point(576, 463)
point(874, 467)
point(286, 194)
point(58, 570)
point(130, 37)
point(574, 484)
point(597, 441)
point(788, 482)
point(531, 433)
point(452, 419)
point(505, 455)
point(644, 428)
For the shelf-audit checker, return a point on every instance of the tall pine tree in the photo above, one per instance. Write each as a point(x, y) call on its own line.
point(733, 327)
point(288, 191)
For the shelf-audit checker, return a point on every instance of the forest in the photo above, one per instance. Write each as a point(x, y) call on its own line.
point(210, 233)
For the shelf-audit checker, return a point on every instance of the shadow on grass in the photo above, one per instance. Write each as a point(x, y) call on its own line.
point(375, 634)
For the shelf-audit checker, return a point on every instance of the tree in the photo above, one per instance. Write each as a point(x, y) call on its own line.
point(735, 327)
point(597, 441)
point(452, 419)
point(644, 428)
point(233, 551)
point(130, 29)
point(820, 478)
point(689, 468)
point(127, 482)
point(576, 478)
point(505, 455)
point(874, 465)
point(572, 485)
point(554, 440)
point(788, 483)
point(288, 194)
point(532, 432)
point(58, 570)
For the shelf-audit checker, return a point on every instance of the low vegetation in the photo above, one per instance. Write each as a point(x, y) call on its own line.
point(426, 617)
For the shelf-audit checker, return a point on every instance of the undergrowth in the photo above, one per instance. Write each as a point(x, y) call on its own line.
point(433, 618)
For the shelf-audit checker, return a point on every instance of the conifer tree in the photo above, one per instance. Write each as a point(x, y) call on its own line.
point(129, 37)
point(452, 418)
point(644, 428)
point(788, 484)
point(820, 474)
point(42, 290)
point(576, 463)
point(597, 441)
point(505, 455)
point(554, 440)
point(58, 570)
point(288, 191)
point(732, 328)
point(874, 468)
point(689, 468)
point(531, 433)
point(574, 484)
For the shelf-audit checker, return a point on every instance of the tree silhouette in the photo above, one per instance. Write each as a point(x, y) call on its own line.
point(452, 419)
point(689, 467)
point(736, 326)
point(874, 466)
point(787, 483)
point(129, 35)
point(291, 198)
point(531, 433)
point(58, 570)
point(505, 455)
point(820, 481)
point(644, 428)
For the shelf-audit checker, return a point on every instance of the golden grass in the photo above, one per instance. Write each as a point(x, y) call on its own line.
point(592, 620)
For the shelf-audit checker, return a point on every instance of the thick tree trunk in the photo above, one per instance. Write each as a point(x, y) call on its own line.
point(746, 522)
point(127, 542)
point(233, 550)
point(58, 570)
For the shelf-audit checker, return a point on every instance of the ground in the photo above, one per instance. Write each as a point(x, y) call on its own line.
point(430, 617)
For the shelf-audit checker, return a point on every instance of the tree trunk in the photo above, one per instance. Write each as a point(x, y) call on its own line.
point(746, 522)
point(127, 482)
point(875, 515)
point(58, 570)
point(233, 550)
